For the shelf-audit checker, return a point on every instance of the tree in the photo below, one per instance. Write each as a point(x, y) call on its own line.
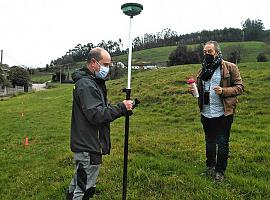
point(67, 60)
point(19, 76)
point(181, 56)
point(262, 57)
point(253, 29)
point(137, 43)
point(234, 53)
point(2, 78)
point(3, 81)
point(178, 56)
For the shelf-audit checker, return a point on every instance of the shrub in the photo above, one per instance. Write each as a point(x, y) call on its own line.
point(262, 57)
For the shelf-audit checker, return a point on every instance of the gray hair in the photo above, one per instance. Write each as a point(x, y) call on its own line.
point(94, 53)
point(216, 45)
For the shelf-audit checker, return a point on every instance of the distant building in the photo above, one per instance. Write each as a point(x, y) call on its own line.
point(136, 67)
point(121, 65)
point(144, 67)
point(150, 67)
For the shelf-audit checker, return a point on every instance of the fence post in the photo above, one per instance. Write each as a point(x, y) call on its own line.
point(5, 90)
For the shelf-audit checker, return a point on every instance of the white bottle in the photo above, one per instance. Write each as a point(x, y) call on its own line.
point(192, 82)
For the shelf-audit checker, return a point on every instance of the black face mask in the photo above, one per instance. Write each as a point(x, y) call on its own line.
point(208, 58)
point(209, 65)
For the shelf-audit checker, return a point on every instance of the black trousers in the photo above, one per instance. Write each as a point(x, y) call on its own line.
point(217, 134)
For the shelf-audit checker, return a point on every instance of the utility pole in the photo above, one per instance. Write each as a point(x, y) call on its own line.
point(60, 75)
point(1, 58)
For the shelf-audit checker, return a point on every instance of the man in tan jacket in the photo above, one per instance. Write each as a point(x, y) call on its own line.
point(219, 83)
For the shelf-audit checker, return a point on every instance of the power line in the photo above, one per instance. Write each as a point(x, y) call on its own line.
point(13, 59)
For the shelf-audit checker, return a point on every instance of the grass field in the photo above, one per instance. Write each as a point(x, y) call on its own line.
point(41, 77)
point(166, 146)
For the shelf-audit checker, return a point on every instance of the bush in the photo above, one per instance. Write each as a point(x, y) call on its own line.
point(262, 57)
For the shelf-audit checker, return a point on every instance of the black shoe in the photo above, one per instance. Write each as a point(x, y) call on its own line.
point(69, 195)
point(89, 193)
point(209, 172)
point(219, 177)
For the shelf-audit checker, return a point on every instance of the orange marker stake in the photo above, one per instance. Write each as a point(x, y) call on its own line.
point(26, 141)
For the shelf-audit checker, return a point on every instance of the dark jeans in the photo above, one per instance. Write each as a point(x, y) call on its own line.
point(217, 134)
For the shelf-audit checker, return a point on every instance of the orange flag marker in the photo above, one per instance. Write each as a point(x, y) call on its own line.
point(26, 141)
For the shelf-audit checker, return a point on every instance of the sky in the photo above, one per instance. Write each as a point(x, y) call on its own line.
point(34, 32)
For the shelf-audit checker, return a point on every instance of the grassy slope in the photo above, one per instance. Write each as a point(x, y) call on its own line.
point(160, 55)
point(166, 152)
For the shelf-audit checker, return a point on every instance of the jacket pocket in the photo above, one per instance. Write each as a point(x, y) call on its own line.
point(231, 102)
point(226, 80)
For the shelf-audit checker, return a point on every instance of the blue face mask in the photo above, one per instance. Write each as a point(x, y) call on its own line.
point(103, 72)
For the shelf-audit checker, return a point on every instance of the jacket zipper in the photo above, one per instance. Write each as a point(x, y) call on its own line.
point(99, 143)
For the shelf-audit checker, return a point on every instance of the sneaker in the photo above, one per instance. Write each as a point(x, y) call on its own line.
point(209, 171)
point(219, 177)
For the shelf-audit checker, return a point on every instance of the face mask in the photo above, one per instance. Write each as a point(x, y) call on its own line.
point(208, 58)
point(103, 72)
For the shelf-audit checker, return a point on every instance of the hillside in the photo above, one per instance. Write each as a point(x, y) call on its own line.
point(159, 56)
point(166, 152)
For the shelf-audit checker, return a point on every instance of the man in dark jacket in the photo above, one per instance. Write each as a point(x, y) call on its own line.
point(219, 84)
point(90, 122)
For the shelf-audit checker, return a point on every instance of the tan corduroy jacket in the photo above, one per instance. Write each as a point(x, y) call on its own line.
point(232, 86)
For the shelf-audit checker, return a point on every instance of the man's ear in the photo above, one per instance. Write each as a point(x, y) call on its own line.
point(90, 66)
point(92, 63)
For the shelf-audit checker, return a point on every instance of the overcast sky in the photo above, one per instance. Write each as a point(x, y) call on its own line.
point(34, 32)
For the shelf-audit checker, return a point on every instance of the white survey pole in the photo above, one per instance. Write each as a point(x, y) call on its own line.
point(129, 9)
point(129, 56)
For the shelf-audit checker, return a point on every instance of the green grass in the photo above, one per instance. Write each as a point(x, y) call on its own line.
point(250, 50)
point(149, 56)
point(41, 77)
point(160, 55)
point(166, 145)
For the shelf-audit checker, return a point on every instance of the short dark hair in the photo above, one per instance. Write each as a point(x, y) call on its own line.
point(94, 53)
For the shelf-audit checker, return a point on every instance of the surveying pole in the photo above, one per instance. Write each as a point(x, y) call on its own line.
point(129, 9)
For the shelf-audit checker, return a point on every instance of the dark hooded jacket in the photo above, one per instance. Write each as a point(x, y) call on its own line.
point(91, 115)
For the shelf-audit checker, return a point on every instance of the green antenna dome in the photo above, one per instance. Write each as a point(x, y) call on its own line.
point(131, 9)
